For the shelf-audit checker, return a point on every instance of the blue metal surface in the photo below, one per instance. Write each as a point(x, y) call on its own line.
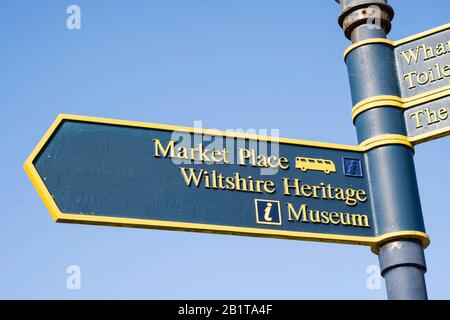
point(396, 201)
point(379, 121)
point(403, 266)
point(372, 72)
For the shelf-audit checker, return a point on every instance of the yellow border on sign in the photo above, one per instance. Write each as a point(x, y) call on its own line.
point(398, 42)
point(435, 134)
point(58, 216)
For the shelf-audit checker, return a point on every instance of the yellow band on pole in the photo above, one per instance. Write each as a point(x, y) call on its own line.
point(385, 139)
point(379, 101)
point(392, 236)
point(367, 41)
point(398, 102)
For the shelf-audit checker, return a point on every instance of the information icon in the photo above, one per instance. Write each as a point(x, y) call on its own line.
point(352, 167)
point(268, 212)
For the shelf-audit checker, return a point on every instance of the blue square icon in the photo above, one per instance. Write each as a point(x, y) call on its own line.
point(352, 167)
point(268, 212)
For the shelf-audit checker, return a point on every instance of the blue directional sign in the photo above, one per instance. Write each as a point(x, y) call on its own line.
point(111, 172)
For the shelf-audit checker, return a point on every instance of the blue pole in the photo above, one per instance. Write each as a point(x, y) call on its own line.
point(392, 176)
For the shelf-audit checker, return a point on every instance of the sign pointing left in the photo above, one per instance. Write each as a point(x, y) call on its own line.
point(113, 172)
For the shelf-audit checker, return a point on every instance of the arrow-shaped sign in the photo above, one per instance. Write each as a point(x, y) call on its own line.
point(112, 172)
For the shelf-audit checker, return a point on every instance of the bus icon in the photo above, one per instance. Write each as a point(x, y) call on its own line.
point(324, 165)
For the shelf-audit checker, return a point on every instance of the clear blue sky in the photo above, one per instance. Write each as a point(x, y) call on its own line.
point(230, 63)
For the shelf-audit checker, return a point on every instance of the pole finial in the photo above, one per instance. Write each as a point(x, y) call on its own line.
point(362, 19)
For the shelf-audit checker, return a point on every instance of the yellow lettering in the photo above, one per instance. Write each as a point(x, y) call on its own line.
point(360, 220)
point(409, 78)
point(417, 118)
point(297, 215)
point(443, 114)
point(165, 152)
point(411, 55)
point(188, 178)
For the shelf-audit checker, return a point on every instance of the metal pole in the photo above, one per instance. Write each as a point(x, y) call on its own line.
point(391, 166)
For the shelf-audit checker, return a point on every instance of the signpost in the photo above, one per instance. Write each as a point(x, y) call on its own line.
point(400, 93)
point(123, 173)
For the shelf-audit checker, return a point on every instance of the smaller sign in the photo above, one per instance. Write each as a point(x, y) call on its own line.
point(423, 62)
point(428, 121)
